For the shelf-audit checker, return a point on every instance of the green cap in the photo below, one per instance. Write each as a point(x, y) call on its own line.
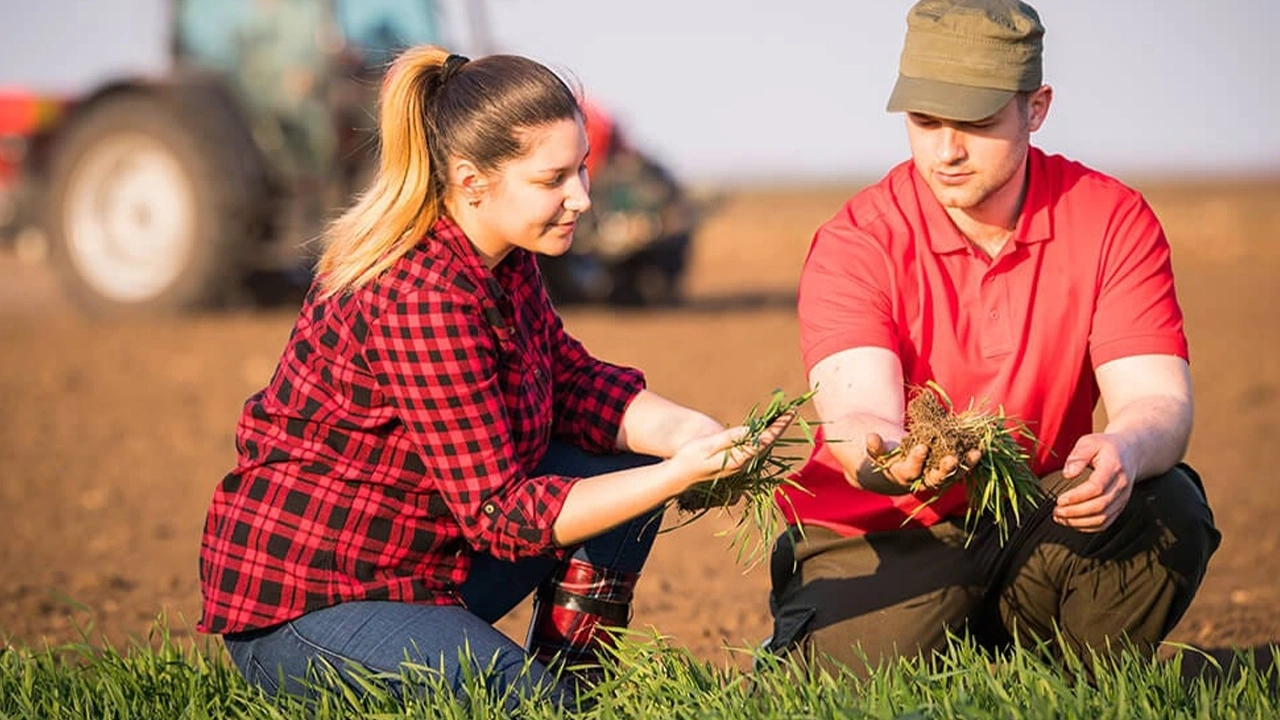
point(966, 59)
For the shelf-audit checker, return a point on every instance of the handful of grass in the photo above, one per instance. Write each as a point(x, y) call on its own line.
point(754, 483)
point(1001, 485)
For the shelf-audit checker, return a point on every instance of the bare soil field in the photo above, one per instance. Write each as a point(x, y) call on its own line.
point(112, 435)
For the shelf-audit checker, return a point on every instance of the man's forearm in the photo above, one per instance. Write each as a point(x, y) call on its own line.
point(1154, 433)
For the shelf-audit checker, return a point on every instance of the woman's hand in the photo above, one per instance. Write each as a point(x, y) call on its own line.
point(654, 425)
point(693, 426)
point(723, 453)
point(598, 503)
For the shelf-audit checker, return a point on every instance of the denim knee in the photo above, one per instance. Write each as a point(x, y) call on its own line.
point(625, 548)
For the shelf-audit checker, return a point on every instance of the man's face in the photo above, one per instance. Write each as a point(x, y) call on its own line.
point(968, 164)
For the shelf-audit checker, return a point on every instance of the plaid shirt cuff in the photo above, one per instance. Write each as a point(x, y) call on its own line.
point(520, 525)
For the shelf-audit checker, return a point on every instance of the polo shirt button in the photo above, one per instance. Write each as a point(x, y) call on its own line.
point(994, 314)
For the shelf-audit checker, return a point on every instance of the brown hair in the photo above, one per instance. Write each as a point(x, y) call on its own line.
point(475, 110)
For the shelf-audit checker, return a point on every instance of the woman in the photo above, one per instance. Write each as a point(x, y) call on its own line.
point(433, 445)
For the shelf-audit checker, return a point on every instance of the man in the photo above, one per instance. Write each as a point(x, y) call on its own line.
point(1009, 277)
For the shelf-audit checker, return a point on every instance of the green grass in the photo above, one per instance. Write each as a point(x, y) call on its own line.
point(649, 678)
point(753, 485)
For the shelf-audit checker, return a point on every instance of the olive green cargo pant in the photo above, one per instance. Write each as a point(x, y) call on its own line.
point(863, 600)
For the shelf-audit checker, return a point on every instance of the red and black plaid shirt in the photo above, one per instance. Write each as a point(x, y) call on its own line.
point(398, 436)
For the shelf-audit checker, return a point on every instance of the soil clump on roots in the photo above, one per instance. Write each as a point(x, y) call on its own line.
point(931, 424)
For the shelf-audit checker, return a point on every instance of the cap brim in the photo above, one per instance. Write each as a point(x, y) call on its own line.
point(947, 100)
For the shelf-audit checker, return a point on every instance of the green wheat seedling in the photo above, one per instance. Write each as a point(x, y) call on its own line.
point(647, 675)
point(755, 483)
point(1001, 485)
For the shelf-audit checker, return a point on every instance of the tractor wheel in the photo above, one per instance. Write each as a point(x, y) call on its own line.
point(150, 207)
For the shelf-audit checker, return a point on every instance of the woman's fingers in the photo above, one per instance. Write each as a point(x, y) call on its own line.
point(776, 429)
point(722, 446)
point(732, 450)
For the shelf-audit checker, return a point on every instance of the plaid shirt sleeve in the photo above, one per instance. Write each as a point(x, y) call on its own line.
point(591, 395)
point(437, 360)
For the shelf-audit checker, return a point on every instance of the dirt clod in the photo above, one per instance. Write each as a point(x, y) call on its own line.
point(931, 424)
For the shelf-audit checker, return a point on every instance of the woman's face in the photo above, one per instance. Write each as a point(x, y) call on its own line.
point(535, 200)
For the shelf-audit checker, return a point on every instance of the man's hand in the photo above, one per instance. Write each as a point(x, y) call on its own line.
point(910, 466)
point(1105, 487)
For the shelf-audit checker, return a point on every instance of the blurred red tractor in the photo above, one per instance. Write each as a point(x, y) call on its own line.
point(189, 188)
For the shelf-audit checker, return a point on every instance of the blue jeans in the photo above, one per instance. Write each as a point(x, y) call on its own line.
point(379, 636)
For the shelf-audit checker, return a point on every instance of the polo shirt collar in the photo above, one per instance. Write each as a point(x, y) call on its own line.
point(1034, 222)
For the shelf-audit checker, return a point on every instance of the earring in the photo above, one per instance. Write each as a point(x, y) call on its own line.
point(474, 202)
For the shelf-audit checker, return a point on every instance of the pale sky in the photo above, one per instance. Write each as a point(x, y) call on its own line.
point(741, 91)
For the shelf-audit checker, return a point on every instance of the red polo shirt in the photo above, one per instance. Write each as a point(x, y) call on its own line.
point(1085, 279)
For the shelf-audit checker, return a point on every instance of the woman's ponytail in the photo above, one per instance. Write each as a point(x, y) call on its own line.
point(403, 200)
point(435, 107)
